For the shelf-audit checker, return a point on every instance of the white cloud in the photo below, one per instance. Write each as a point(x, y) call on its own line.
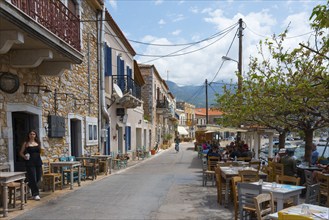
point(194, 68)
point(161, 22)
point(178, 17)
point(158, 2)
point(181, 2)
point(176, 32)
point(194, 10)
point(113, 3)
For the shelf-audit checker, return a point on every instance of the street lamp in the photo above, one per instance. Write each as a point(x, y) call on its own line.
point(225, 58)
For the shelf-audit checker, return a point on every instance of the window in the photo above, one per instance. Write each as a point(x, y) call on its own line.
point(91, 131)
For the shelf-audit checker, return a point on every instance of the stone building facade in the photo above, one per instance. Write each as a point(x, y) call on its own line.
point(55, 73)
point(159, 105)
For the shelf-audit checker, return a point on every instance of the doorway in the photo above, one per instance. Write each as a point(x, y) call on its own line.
point(76, 139)
point(22, 123)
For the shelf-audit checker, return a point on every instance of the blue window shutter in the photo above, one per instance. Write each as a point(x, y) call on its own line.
point(126, 139)
point(129, 142)
point(121, 75)
point(108, 61)
point(118, 65)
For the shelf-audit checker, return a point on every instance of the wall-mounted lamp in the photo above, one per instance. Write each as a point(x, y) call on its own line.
point(35, 89)
point(140, 122)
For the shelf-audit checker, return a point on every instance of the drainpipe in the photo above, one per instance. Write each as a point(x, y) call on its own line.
point(104, 113)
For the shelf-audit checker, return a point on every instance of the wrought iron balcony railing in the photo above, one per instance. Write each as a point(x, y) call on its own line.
point(162, 104)
point(127, 84)
point(55, 16)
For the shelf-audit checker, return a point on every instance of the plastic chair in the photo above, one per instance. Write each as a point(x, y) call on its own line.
point(264, 205)
point(284, 216)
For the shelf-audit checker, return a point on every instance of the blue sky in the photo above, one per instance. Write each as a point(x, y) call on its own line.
point(174, 22)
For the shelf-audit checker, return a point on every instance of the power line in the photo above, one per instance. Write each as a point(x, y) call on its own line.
point(220, 67)
point(185, 44)
point(200, 89)
point(263, 36)
point(174, 53)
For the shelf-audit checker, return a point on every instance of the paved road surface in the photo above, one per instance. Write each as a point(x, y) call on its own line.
point(167, 186)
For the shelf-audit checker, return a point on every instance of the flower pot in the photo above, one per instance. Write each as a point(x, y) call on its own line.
point(152, 152)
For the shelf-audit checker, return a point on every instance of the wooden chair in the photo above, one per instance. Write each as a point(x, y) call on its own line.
point(278, 169)
point(210, 172)
point(264, 205)
point(255, 164)
point(212, 162)
point(235, 181)
point(285, 216)
point(323, 180)
point(207, 174)
point(313, 194)
point(249, 175)
point(246, 194)
point(14, 192)
point(291, 180)
point(288, 180)
point(50, 179)
point(308, 177)
point(268, 170)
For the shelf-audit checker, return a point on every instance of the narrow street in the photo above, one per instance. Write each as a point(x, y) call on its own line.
point(166, 186)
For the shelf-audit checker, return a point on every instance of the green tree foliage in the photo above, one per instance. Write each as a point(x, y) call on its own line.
point(284, 89)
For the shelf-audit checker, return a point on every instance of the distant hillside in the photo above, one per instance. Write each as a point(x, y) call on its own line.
point(195, 95)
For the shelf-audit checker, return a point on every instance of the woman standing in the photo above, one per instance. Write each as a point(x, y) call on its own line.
point(30, 151)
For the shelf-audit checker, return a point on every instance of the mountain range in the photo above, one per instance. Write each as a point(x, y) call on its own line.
point(196, 95)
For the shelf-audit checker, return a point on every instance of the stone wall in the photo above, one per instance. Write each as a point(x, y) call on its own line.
point(74, 82)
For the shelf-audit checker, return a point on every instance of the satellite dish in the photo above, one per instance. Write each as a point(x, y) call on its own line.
point(117, 90)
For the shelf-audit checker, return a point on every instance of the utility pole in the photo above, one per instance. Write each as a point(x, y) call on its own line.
point(206, 101)
point(240, 56)
point(238, 138)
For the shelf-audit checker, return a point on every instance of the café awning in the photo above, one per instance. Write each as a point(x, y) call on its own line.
point(182, 130)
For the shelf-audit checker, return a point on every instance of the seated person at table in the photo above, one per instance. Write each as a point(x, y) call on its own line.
point(315, 154)
point(289, 164)
point(245, 151)
point(214, 152)
point(325, 169)
point(282, 152)
point(235, 153)
point(204, 146)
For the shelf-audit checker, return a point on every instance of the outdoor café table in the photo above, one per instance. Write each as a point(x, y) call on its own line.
point(108, 159)
point(5, 179)
point(71, 165)
point(315, 211)
point(282, 192)
point(228, 172)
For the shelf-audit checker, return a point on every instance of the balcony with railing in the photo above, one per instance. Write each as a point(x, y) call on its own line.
point(163, 107)
point(54, 16)
point(132, 92)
